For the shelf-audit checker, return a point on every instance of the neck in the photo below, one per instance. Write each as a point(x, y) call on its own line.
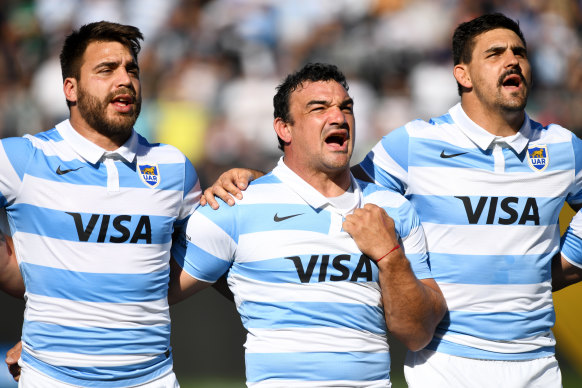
point(329, 184)
point(94, 136)
point(495, 121)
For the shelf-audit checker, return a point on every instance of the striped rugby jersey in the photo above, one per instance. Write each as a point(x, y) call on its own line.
point(489, 207)
point(309, 299)
point(572, 241)
point(93, 231)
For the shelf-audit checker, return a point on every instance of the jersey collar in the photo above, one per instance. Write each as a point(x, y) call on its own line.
point(309, 194)
point(90, 151)
point(485, 139)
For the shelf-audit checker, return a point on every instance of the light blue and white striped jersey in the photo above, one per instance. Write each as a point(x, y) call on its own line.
point(309, 299)
point(572, 241)
point(93, 231)
point(489, 207)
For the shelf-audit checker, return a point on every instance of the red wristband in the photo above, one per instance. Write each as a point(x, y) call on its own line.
point(389, 252)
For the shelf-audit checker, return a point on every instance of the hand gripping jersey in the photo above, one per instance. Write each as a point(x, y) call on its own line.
point(489, 207)
point(93, 231)
point(309, 299)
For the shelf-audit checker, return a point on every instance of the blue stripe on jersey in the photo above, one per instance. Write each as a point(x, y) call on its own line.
point(466, 351)
point(261, 218)
point(352, 366)
point(285, 315)
point(577, 146)
point(93, 228)
point(560, 158)
point(396, 143)
point(206, 267)
point(380, 175)
point(309, 269)
point(111, 376)
point(444, 119)
point(473, 210)
point(269, 178)
point(95, 287)
point(19, 151)
point(97, 340)
point(571, 246)
point(190, 178)
point(428, 154)
point(491, 269)
point(418, 262)
point(498, 326)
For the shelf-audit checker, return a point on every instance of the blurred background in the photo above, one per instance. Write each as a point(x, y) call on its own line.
point(209, 69)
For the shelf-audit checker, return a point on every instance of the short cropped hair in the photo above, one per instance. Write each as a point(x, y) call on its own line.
point(465, 34)
point(76, 43)
point(312, 72)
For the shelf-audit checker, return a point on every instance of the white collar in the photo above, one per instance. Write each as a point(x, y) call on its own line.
point(485, 139)
point(309, 194)
point(90, 151)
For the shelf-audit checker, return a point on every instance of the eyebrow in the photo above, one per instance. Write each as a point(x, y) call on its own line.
point(516, 49)
point(347, 101)
point(114, 64)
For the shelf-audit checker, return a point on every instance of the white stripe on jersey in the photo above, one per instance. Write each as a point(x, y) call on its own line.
point(279, 383)
point(445, 181)
point(252, 247)
point(128, 200)
point(487, 298)
point(521, 345)
point(88, 361)
point(221, 246)
point(488, 240)
point(63, 312)
point(313, 339)
point(146, 262)
point(332, 292)
point(270, 193)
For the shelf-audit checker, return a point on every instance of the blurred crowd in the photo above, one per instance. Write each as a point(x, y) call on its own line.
point(209, 68)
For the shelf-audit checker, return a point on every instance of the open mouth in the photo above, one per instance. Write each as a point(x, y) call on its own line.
point(512, 80)
point(337, 138)
point(122, 100)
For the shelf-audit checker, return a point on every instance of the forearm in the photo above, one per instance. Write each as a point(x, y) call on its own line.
point(413, 308)
point(564, 273)
point(10, 278)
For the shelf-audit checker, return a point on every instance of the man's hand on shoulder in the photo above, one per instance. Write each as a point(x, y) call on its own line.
point(229, 185)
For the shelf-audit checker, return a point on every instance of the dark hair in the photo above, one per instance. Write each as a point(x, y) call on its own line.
point(312, 72)
point(76, 43)
point(465, 34)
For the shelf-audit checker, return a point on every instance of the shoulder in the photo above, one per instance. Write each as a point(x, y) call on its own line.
point(381, 196)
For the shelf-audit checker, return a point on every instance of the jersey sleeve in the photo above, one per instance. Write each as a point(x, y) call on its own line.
point(571, 243)
point(15, 156)
point(206, 249)
point(191, 195)
point(575, 197)
point(411, 233)
point(387, 163)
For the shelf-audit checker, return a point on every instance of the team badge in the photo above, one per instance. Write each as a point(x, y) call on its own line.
point(149, 174)
point(538, 157)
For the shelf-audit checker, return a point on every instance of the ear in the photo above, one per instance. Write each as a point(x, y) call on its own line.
point(282, 129)
point(461, 74)
point(70, 88)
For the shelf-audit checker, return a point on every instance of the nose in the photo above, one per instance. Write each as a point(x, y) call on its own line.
point(511, 60)
point(123, 77)
point(337, 116)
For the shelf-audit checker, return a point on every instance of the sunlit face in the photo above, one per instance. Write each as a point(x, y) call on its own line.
point(500, 71)
point(323, 128)
point(109, 91)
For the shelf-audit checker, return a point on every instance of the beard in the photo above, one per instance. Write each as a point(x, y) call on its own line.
point(94, 111)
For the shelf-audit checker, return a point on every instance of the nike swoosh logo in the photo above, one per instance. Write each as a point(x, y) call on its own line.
point(445, 156)
point(63, 172)
point(279, 219)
